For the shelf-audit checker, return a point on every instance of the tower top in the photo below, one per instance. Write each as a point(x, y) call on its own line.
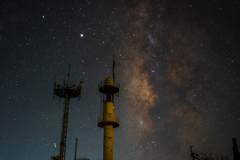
point(109, 85)
point(109, 81)
point(61, 90)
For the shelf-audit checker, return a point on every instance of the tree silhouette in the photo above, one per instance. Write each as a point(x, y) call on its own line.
point(210, 156)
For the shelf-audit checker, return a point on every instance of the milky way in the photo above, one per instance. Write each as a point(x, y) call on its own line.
point(187, 86)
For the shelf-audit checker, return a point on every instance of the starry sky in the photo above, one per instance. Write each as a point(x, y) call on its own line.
point(177, 63)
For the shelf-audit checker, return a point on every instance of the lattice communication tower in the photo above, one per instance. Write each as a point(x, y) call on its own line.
point(66, 91)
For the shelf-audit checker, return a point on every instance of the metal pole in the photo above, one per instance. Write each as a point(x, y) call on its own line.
point(63, 129)
point(75, 150)
point(192, 154)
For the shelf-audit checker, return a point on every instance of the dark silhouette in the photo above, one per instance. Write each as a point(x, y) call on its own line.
point(66, 91)
point(235, 150)
point(207, 156)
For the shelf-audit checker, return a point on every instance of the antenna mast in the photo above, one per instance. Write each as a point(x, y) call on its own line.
point(66, 91)
point(68, 74)
point(113, 68)
point(113, 74)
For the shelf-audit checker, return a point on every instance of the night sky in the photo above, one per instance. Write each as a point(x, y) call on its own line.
point(177, 63)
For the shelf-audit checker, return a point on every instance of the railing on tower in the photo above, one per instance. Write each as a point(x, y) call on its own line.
point(102, 118)
point(101, 86)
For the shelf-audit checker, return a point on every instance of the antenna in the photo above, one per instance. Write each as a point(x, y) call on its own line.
point(55, 78)
point(64, 77)
point(67, 92)
point(68, 74)
point(113, 68)
point(54, 85)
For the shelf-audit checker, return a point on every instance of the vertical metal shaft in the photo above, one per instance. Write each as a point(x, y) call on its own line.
point(75, 150)
point(113, 75)
point(113, 68)
point(68, 74)
point(64, 130)
point(192, 154)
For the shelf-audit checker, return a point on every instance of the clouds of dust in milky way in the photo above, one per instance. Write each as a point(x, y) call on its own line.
point(181, 64)
point(140, 93)
point(183, 70)
point(184, 65)
point(140, 96)
point(187, 89)
point(139, 89)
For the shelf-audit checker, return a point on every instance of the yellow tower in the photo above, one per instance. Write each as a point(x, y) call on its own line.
point(107, 119)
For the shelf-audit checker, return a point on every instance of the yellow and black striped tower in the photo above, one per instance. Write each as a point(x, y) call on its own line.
point(107, 120)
